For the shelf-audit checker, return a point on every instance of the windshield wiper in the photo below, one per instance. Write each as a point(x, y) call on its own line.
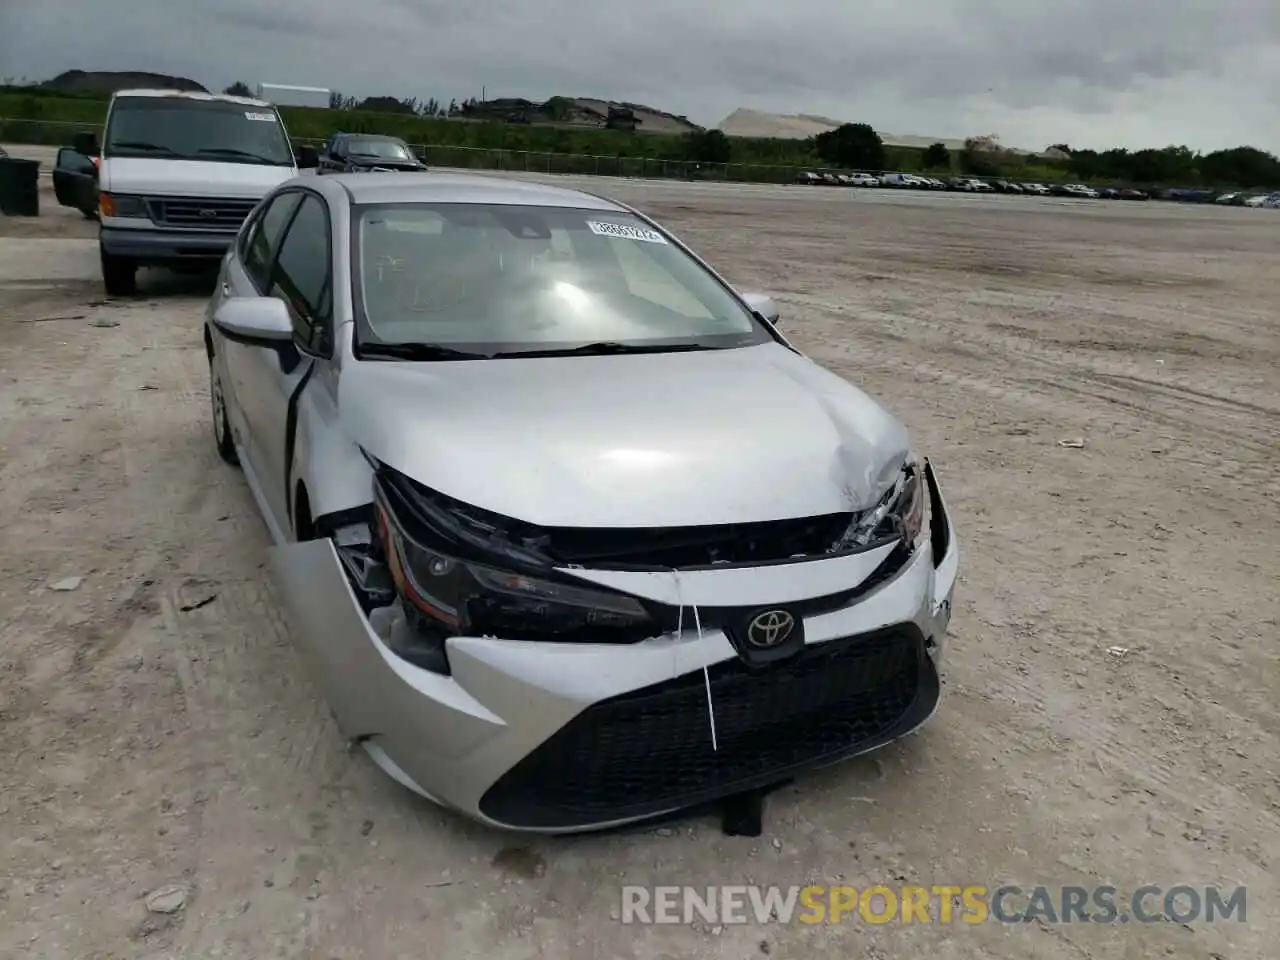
point(233, 152)
point(143, 145)
point(418, 351)
point(605, 347)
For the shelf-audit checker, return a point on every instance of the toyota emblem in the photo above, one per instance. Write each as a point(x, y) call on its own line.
point(769, 629)
point(208, 214)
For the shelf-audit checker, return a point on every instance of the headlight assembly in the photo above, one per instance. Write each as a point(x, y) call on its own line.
point(899, 514)
point(447, 593)
point(119, 205)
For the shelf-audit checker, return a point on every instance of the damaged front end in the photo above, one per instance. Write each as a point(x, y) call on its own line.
point(450, 569)
point(558, 679)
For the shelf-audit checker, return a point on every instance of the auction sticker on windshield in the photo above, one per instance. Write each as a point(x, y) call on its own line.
point(623, 231)
point(269, 117)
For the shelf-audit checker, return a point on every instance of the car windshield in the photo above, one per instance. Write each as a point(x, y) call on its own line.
point(188, 129)
point(382, 149)
point(492, 279)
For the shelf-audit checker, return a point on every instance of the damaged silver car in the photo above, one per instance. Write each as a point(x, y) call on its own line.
point(569, 532)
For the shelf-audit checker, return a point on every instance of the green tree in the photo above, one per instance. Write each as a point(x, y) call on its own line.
point(853, 145)
point(1246, 166)
point(937, 157)
point(982, 155)
point(238, 89)
point(708, 146)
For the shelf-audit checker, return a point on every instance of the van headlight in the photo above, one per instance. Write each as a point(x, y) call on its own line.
point(122, 205)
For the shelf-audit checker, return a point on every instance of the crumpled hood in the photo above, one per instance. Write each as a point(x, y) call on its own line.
point(191, 178)
point(677, 439)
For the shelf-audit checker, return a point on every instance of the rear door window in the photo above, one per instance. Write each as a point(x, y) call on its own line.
point(303, 274)
point(263, 239)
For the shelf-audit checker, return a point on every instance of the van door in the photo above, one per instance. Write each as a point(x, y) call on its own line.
point(75, 181)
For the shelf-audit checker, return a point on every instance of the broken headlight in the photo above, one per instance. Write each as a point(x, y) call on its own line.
point(447, 590)
point(899, 514)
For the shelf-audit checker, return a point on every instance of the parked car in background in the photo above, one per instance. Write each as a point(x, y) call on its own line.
point(368, 153)
point(973, 185)
point(808, 178)
point(1076, 190)
point(1257, 200)
point(1005, 186)
point(1271, 202)
point(676, 611)
point(1108, 193)
point(863, 180)
point(1190, 195)
point(1129, 193)
point(1035, 189)
point(933, 183)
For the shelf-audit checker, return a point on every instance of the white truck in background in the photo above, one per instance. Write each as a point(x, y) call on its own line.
point(283, 95)
point(175, 177)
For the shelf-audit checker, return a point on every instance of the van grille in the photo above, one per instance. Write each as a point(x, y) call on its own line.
point(204, 212)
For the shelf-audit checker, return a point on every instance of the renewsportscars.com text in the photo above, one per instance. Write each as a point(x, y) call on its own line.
point(939, 903)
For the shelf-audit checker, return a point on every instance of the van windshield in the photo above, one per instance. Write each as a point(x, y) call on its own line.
point(187, 129)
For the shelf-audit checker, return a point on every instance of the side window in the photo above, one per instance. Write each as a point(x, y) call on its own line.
point(303, 276)
point(263, 239)
point(73, 162)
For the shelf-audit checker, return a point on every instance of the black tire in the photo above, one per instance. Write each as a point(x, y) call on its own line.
point(221, 426)
point(119, 275)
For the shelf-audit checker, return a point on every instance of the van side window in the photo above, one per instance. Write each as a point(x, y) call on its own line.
point(263, 239)
point(303, 275)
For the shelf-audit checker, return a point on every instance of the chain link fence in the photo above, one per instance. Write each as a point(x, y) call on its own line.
point(59, 133)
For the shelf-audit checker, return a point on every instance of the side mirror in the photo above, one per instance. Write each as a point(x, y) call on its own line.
point(763, 304)
point(85, 143)
point(308, 158)
point(255, 321)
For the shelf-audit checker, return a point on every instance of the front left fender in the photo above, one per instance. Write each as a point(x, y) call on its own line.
point(325, 458)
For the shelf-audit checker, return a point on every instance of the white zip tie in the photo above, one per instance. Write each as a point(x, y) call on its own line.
point(706, 680)
point(706, 673)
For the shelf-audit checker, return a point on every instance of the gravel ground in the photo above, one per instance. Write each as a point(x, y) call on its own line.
point(1111, 715)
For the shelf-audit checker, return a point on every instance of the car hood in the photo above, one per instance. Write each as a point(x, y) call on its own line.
point(372, 162)
point(725, 436)
point(190, 178)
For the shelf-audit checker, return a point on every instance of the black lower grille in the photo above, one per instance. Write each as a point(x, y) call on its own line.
point(650, 750)
point(205, 212)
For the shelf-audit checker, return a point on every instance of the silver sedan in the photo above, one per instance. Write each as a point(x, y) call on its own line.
point(570, 533)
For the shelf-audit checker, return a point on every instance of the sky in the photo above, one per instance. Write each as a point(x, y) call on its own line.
point(1089, 73)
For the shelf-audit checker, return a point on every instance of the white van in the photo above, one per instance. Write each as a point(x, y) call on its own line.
point(176, 175)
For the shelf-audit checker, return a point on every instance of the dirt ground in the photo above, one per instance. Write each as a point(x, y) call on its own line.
point(1112, 713)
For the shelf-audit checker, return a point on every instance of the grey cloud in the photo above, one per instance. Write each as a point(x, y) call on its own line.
point(1119, 68)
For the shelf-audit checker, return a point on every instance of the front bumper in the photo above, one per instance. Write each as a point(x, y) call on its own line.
point(566, 737)
point(165, 246)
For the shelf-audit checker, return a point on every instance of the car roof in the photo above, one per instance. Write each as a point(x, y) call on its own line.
point(432, 187)
point(194, 95)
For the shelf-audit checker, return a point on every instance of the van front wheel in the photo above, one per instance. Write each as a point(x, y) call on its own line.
point(119, 275)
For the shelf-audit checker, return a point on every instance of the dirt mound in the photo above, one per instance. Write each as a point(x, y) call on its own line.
point(80, 81)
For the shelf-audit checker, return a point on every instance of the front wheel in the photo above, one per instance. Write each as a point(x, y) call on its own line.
point(119, 275)
point(221, 426)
